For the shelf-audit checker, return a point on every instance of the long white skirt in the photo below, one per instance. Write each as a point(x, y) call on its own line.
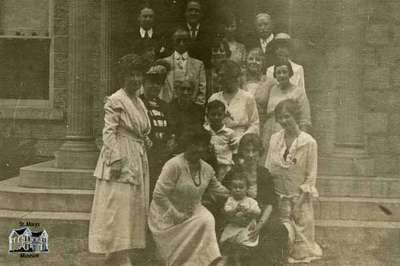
point(190, 243)
point(119, 217)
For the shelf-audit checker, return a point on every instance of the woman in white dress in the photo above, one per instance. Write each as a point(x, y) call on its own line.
point(280, 91)
point(281, 47)
point(121, 198)
point(255, 82)
point(183, 229)
point(241, 107)
point(292, 162)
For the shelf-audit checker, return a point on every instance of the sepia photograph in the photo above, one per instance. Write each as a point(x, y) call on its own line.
point(200, 132)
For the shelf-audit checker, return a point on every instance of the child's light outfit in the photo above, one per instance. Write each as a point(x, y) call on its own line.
point(221, 142)
point(236, 233)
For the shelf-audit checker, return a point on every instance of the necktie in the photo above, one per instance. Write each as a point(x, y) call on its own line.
point(181, 61)
point(193, 34)
point(146, 35)
point(264, 45)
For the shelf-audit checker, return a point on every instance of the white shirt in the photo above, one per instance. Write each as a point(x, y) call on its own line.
point(180, 60)
point(196, 30)
point(297, 78)
point(222, 143)
point(241, 112)
point(265, 42)
point(143, 32)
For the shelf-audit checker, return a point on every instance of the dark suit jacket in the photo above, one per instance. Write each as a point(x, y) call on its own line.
point(185, 119)
point(200, 47)
point(252, 41)
point(156, 44)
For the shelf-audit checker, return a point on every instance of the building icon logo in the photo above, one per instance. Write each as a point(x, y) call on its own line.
point(23, 240)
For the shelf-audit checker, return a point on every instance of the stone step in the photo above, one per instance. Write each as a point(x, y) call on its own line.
point(361, 243)
point(358, 209)
point(45, 175)
point(357, 186)
point(57, 224)
point(346, 164)
point(68, 238)
point(13, 197)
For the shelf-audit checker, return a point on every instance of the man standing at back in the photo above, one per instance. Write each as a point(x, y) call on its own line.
point(146, 38)
point(184, 67)
point(200, 36)
point(262, 38)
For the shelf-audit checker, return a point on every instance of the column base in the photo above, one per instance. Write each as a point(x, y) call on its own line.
point(77, 153)
point(346, 162)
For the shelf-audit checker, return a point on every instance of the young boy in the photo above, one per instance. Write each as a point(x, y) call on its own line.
point(241, 212)
point(221, 137)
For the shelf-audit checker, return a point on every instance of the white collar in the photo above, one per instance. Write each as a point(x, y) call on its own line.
point(196, 28)
point(302, 139)
point(143, 32)
point(268, 40)
point(208, 128)
point(177, 55)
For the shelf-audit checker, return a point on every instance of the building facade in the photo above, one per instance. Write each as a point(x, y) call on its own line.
point(351, 62)
point(57, 66)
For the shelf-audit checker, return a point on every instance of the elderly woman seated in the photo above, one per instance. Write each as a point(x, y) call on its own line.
point(184, 112)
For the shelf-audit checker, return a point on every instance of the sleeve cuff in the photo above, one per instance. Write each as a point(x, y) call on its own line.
point(306, 188)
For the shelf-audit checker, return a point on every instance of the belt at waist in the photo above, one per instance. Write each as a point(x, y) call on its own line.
point(129, 134)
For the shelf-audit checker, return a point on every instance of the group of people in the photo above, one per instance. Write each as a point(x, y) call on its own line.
point(207, 153)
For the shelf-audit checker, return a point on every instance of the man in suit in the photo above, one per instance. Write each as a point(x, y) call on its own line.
point(184, 67)
point(146, 38)
point(262, 39)
point(200, 34)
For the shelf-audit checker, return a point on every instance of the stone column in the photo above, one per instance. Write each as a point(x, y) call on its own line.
point(105, 47)
point(105, 61)
point(79, 150)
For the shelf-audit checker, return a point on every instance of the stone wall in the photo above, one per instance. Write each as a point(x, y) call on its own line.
point(352, 65)
point(45, 125)
point(381, 83)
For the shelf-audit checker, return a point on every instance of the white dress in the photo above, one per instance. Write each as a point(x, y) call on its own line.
point(236, 233)
point(120, 206)
point(292, 176)
point(191, 242)
point(277, 95)
point(298, 75)
point(241, 112)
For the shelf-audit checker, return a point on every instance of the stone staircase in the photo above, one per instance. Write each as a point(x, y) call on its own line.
point(351, 211)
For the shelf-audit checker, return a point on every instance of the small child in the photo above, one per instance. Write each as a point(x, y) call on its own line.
point(221, 137)
point(241, 212)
